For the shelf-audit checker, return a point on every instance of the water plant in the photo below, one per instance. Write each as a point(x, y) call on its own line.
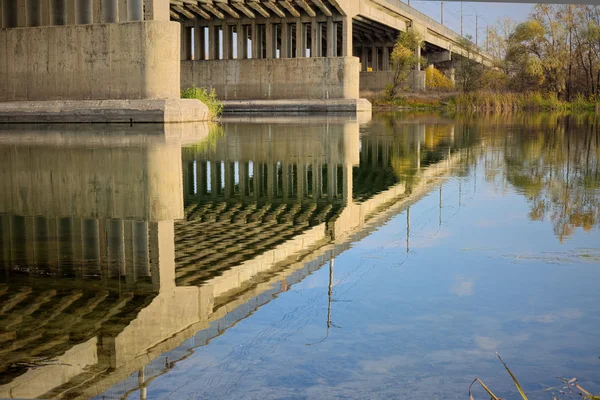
point(215, 106)
point(571, 387)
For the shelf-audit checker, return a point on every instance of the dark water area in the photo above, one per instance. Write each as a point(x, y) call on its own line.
point(301, 258)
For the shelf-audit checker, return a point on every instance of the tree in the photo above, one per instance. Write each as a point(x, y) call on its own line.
point(468, 70)
point(404, 59)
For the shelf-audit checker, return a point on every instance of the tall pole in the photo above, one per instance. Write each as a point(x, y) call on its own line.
point(487, 38)
point(461, 20)
point(442, 5)
point(476, 29)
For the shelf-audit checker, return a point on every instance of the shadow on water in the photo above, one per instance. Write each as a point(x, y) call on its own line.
point(124, 249)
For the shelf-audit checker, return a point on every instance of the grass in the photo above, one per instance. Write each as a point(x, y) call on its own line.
point(215, 106)
point(508, 102)
point(488, 101)
point(569, 388)
point(413, 101)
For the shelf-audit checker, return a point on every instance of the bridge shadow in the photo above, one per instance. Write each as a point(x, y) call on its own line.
point(124, 249)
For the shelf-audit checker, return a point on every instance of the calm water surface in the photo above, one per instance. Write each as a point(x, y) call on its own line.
point(299, 258)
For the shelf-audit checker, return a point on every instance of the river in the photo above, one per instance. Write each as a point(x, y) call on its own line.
point(311, 257)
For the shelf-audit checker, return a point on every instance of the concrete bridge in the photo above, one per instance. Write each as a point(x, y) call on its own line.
point(124, 61)
point(250, 50)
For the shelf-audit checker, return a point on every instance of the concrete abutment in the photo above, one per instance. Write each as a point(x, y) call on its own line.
point(92, 61)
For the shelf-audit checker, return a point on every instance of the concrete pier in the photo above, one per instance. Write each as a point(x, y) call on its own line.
point(91, 61)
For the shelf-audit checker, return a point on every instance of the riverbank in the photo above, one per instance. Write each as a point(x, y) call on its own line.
point(482, 101)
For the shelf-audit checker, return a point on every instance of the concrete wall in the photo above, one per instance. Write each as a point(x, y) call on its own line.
point(377, 81)
point(134, 60)
point(261, 79)
point(121, 183)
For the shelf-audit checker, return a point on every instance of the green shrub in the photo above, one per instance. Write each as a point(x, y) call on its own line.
point(215, 106)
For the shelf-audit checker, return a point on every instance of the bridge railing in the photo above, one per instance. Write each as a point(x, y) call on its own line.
point(447, 32)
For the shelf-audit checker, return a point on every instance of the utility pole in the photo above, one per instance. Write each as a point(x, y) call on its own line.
point(442, 13)
point(461, 20)
point(477, 29)
point(487, 38)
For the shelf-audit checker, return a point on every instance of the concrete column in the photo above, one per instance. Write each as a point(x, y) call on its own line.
point(186, 43)
point(45, 11)
point(200, 178)
point(418, 66)
point(97, 11)
point(199, 42)
point(84, 14)
point(241, 41)
point(77, 245)
point(215, 179)
point(141, 250)
point(157, 10)
point(331, 38)
point(270, 180)
point(374, 57)
point(270, 42)
point(243, 182)
point(451, 74)
point(254, 39)
point(110, 11)
point(9, 14)
point(213, 42)
point(115, 247)
point(347, 37)
point(300, 39)
point(285, 181)
point(5, 246)
point(90, 245)
point(285, 40)
point(331, 175)
point(314, 37)
point(229, 179)
point(365, 59)
point(71, 12)
point(59, 12)
point(319, 40)
point(128, 246)
point(124, 10)
point(21, 13)
point(258, 180)
point(34, 13)
point(386, 58)
point(300, 180)
point(227, 48)
point(135, 11)
point(162, 250)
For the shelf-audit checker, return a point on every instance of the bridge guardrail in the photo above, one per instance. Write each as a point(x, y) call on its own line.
point(438, 27)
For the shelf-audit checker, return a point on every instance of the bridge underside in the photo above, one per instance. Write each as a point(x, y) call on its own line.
point(71, 51)
point(290, 49)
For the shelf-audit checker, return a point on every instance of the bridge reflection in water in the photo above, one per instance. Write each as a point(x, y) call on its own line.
point(123, 250)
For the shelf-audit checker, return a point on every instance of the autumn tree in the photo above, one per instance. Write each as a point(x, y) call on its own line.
point(404, 59)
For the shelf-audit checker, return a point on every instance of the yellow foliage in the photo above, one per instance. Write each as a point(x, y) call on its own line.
point(435, 80)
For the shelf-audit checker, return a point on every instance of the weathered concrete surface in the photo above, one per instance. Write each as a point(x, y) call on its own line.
point(349, 106)
point(117, 111)
point(134, 60)
point(373, 83)
point(294, 78)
